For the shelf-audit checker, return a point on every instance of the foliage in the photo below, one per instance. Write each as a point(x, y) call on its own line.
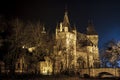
point(110, 54)
point(25, 37)
point(13, 42)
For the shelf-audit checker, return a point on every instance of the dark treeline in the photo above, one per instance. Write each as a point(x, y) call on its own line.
point(17, 37)
point(110, 54)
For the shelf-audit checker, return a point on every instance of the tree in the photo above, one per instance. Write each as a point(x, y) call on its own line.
point(31, 37)
point(64, 53)
point(14, 42)
point(3, 31)
point(110, 54)
point(39, 41)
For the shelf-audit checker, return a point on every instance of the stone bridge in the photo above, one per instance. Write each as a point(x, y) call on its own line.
point(94, 72)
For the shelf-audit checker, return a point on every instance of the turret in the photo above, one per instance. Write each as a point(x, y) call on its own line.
point(66, 22)
point(43, 30)
point(75, 30)
point(65, 25)
point(92, 37)
point(92, 34)
point(91, 29)
point(65, 42)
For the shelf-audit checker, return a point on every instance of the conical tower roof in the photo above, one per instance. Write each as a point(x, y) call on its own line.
point(66, 22)
point(91, 29)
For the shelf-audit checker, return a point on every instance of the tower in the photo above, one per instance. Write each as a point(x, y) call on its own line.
point(65, 44)
point(92, 48)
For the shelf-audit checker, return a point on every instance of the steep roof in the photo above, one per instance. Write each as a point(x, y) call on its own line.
point(66, 20)
point(91, 29)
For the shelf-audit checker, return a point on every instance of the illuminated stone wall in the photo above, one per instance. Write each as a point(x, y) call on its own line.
point(95, 72)
point(66, 47)
point(21, 65)
point(46, 67)
point(67, 44)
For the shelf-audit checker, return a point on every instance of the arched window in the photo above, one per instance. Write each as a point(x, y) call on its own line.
point(23, 65)
point(18, 65)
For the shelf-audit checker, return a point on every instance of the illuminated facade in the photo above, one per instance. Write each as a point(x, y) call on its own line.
point(72, 50)
point(65, 47)
point(21, 65)
point(45, 67)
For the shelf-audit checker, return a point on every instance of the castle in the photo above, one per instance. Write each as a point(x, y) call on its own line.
point(74, 49)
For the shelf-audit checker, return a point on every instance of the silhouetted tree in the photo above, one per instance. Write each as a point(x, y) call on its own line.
point(63, 59)
point(3, 31)
point(14, 42)
point(110, 55)
point(39, 40)
point(31, 37)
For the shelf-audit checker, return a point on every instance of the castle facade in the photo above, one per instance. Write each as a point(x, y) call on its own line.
point(75, 50)
point(72, 50)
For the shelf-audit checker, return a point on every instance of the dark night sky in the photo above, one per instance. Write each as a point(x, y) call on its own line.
point(104, 13)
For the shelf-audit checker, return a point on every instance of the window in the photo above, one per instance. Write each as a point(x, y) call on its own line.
point(23, 65)
point(18, 65)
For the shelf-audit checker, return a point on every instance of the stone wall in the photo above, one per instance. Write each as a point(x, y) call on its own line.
point(96, 71)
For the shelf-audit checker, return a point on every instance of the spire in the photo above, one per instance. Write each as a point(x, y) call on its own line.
point(57, 26)
point(66, 20)
point(43, 30)
point(90, 28)
point(74, 27)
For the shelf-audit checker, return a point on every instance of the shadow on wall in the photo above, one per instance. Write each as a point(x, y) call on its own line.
point(86, 76)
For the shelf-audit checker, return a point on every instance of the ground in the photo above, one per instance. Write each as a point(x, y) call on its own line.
point(56, 77)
